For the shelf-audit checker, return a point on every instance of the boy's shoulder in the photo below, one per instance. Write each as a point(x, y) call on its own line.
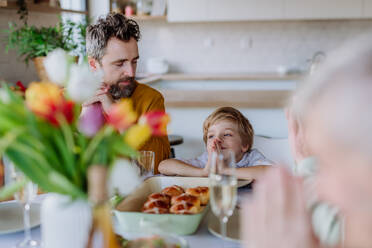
point(254, 157)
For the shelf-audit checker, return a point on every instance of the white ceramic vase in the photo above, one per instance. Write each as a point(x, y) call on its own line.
point(65, 222)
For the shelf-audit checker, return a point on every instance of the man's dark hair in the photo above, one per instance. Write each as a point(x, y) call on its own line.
point(112, 25)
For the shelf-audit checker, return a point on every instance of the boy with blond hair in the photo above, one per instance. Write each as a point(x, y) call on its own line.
point(226, 129)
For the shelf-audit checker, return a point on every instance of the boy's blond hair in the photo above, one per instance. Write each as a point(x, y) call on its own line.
point(231, 114)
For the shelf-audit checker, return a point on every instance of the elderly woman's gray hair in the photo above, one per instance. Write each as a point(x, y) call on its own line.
point(341, 91)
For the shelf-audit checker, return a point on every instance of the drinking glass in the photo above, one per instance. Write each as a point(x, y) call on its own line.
point(25, 197)
point(223, 187)
point(146, 162)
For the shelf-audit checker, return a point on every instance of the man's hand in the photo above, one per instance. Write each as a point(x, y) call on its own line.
point(102, 96)
point(276, 214)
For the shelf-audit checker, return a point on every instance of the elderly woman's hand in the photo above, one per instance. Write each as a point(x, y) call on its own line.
point(276, 215)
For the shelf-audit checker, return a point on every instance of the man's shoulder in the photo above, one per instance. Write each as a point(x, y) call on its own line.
point(148, 91)
point(146, 98)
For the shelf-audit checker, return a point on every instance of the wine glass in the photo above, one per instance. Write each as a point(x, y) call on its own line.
point(25, 197)
point(223, 187)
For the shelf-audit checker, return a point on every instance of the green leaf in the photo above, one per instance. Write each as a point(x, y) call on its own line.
point(123, 149)
point(30, 168)
point(10, 189)
point(94, 143)
point(65, 185)
point(65, 156)
point(8, 139)
point(30, 153)
point(32, 41)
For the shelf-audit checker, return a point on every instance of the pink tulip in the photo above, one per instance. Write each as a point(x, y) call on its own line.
point(91, 119)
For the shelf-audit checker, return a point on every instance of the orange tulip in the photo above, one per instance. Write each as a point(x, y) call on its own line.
point(46, 100)
point(157, 121)
point(121, 115)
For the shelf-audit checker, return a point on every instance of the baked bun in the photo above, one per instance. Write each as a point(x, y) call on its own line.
point(201, 192)
point(186, 198)
point(154, 206)
point(174, 200)
point(184, 207)
point(174, 190)
point(155, 203)
point(159, 196)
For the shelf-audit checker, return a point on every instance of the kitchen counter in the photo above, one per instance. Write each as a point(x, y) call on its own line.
point(260, 90)
point(222, 76)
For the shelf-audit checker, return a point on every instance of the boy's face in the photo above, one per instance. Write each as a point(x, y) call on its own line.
point(226, 134)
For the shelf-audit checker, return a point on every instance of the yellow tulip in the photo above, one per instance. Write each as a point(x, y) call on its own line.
point(47, 101)
point(137, 135)
point(121, 115)
point(41, 95)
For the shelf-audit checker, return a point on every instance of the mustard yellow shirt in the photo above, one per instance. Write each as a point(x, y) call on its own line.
point(147, 99)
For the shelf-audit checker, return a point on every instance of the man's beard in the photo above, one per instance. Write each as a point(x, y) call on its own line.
point(118, 91)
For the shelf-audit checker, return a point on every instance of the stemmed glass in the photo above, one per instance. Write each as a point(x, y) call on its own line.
point(145, 162)
point(223, 187)
point(25, 197)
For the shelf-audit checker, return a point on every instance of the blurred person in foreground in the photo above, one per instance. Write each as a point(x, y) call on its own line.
point(112, 47)
point(333, 106)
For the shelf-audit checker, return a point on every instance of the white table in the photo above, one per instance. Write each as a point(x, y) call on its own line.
point(201, 238)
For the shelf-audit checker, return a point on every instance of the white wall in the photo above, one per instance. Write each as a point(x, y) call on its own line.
point(242, 46)
point(98, 8)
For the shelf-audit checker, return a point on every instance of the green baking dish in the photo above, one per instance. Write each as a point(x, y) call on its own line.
point(131, 219)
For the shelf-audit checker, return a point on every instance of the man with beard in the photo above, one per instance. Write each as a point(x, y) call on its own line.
point(112, 47)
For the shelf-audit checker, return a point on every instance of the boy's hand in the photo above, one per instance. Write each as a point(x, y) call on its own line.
point(214, 147)
point(217, 147)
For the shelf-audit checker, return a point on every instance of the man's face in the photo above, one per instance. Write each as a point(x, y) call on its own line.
point(119, 65)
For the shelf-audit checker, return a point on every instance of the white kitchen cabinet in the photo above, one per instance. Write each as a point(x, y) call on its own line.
point(320, 9)
point(187, 10)
point(240, 10)
point(237, 10)
point(224, 10)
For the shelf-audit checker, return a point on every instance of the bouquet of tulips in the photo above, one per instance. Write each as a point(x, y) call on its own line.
point(45, 137)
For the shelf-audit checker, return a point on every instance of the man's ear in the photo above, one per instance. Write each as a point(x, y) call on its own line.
point(93, 63)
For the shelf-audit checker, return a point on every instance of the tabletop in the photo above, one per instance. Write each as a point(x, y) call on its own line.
point(201, 238)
